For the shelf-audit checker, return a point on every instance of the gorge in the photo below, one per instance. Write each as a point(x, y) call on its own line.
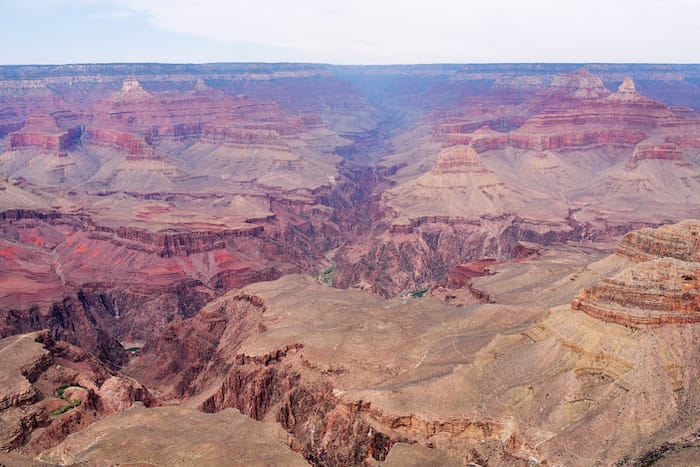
point(446, 264)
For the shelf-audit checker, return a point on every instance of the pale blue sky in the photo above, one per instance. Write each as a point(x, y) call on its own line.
point(361, 31)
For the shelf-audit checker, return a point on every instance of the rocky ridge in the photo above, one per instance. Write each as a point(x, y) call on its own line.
point(33, 413)
point(558, 374)
point(661, 288)
point(195, 182)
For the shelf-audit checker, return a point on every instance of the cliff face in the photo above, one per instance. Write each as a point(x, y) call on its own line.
point(41, 376)
point(561, 164)
point(297, 161)
point(414, 257)
point(568, 377)
point(656, 292)
point(54, 273)
point(237, 353)
point(661, 289)
point(183, 189)
point(68, 320)
point(42, 131)
point(680, 241)
point(211, 177)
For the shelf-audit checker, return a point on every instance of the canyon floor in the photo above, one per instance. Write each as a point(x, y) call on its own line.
point(291, 264)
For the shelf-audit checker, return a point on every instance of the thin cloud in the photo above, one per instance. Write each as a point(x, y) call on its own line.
point(410, 31)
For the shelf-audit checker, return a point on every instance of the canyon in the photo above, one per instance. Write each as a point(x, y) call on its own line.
point(447, 264)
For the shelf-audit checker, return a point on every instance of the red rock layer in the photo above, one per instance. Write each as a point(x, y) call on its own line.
point(461, 159)
point(580, 84)
point(662, 288)
point(222, 134)
point(680, 241)
point(128, 142)
point(559, 141)
point(575, 112)
point(658, 151)
point(135, 121)
point(661, 291)
point(42, 131)
point(462, 274)
point(173, 243)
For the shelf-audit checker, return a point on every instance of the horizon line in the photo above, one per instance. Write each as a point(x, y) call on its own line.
point(168, 63)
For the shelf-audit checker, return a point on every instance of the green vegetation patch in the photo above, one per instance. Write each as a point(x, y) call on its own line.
point(419, 293)
point(70, 404)
point(651, 457)
point(327, 277)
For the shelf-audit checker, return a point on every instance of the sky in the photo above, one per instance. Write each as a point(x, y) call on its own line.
point(349, 32)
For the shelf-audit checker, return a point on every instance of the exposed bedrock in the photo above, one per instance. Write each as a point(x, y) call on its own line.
point(41, 131)
point(183, 243)
point(396, 262)
point(41, 377)
point(158, 277)
point(185, 360)
point(680, 241)
point(308, 368)
point(661, 288)
point(655, 292)
point(654, 151)
point(415, 256)
point(97, 317)
point(121, 140)
point(552, 139)
point(201, 359)
point(68, 320)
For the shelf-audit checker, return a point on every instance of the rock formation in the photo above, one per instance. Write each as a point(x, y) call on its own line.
point(580, 84)
point(240, 352)
point(43, 132)
point(560, 374)
point(481, 201)
point(680, 241)
point(51, 388)
point(560, 158)
point(627, 91)
point(661, 289)
point(175, 435)
point(656, 292)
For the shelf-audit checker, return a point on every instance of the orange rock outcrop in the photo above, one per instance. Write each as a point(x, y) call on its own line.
point(662, 287)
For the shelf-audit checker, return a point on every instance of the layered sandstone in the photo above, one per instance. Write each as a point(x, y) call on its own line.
point(662, 288)
point(43, 132)
point(137, 121)
point(306, 363)
point(185, 191)
point(488, 383)
point(188, 189)
point(459, 185)
point(602, 118)
point(459, 159)
point(627, 91)
point(198, 140)
point(580, 84)
point(654, 151)
point(680, 241)
point(574, 144)
point(128, 142)
point(656, 292)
